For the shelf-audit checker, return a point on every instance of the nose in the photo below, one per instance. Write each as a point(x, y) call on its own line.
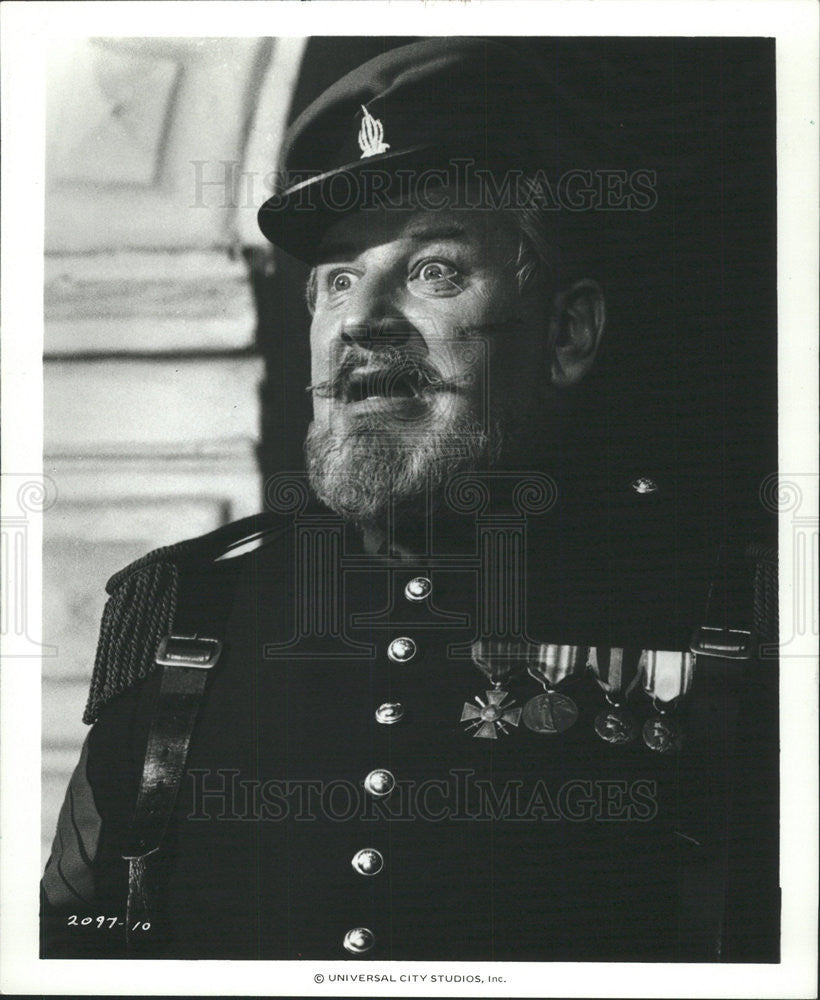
point(376, 334)
point(374, 319)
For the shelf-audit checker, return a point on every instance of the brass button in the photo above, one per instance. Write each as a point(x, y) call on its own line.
point(379, 783)
point(359, 940)
point(368, 861)
point(643, 485)
point(401, 650)
point(389, 713)
point(418, 589)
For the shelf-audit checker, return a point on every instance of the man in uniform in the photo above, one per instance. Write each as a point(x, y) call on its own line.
point(440, 702)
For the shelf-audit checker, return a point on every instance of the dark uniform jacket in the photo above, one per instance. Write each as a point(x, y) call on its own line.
point(527, 846)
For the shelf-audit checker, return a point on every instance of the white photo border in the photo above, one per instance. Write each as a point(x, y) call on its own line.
point(26, 27)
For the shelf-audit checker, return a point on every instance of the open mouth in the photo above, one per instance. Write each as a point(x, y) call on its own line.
point(388, 383)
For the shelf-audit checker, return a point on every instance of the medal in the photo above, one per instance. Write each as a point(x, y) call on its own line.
point(617, 673)
point(492, 716)
point(667, 678)
point(551, 712)
point(487, 718)
point(662, 733)
point(616, 725)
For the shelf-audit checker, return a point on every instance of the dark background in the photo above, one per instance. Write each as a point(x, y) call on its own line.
point(685, 388)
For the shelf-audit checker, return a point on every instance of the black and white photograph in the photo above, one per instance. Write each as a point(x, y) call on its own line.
point(412, 507)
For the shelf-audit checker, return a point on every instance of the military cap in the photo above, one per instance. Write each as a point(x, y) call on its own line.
point(413, 116)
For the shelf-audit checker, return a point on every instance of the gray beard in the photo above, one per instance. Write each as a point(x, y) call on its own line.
point(363, 475)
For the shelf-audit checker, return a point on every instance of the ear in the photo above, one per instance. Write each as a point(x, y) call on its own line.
point(576, 327)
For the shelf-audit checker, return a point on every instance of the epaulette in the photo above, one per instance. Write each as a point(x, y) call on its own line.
point(763, 558)
point(143, 601)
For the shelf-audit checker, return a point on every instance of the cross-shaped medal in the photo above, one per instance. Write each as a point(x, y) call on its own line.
point(491, 716)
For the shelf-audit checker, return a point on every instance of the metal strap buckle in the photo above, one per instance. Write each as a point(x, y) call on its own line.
point(725, 643)
point(198, 652)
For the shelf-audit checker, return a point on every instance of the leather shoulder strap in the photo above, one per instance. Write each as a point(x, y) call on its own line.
point(186, 657)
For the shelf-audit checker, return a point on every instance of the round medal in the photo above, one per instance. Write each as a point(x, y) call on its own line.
point(662, 734)
point(615, 725)
point(550, 713)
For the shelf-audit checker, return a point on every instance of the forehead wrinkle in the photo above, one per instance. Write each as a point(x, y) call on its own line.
point(428, 233)
point(419, 231)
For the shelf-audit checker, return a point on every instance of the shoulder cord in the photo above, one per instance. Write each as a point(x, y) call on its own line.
point(141, 608)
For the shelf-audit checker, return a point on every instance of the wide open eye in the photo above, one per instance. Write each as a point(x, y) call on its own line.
point(341, 281)
point(436, 271)
point(436, 277)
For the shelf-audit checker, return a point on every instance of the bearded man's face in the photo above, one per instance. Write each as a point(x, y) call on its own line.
point(425, 356)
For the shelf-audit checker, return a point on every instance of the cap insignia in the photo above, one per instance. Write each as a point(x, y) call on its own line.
point(371, 135)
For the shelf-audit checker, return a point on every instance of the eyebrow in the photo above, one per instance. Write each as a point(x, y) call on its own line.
point(427, 234)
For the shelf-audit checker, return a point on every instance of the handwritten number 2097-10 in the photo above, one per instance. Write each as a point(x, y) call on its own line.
point(100, 922)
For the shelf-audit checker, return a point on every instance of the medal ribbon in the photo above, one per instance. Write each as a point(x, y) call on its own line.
point(553, 663)
point(667, 675)
point(617, 670)
point(497, 659)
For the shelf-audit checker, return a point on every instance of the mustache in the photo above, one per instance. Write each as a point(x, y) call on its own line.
point(390, 363)
point(387, 366)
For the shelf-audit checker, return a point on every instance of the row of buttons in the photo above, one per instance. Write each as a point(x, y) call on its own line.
point(381, 782)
